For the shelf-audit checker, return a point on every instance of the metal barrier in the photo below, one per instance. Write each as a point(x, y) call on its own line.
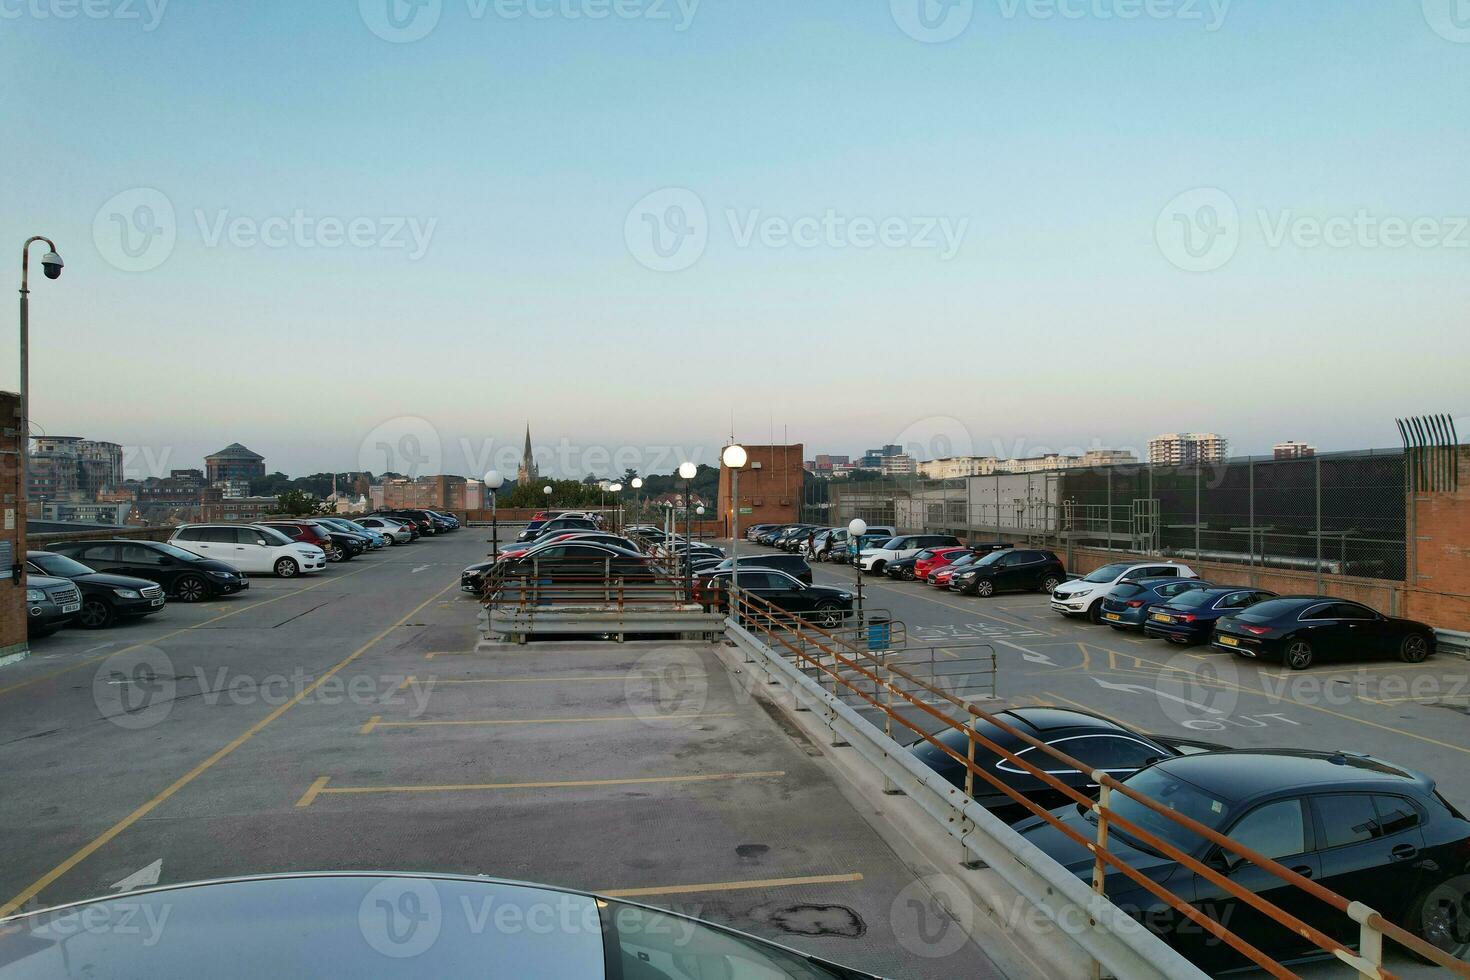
point(1452, 641)
point(838, 665)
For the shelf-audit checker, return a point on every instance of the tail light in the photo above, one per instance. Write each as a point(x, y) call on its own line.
point(1135, 603)
point(1188, 618)
point(1257, 630)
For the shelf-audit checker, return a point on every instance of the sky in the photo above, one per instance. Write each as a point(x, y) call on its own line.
point(388, 234)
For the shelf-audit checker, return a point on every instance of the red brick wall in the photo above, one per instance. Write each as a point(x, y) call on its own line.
point(12, 528)
point(771, 490)
point(1439, 579)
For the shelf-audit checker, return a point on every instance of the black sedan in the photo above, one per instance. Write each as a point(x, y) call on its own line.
point(1091, 739)
point(472, 579)
point(820, 604)
point(1371, 831)
point(1190, 616)
point(182, 574)
point(1300, 630)
point(105, 598)
point(902, 568)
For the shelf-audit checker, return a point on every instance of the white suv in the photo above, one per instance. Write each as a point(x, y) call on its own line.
point(259, 550)
point(903, 546)
point(1084, 596)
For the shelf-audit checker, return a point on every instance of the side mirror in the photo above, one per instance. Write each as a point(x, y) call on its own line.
point(1220, 860)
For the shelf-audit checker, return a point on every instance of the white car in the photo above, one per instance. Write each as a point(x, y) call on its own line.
point(389, 528)
point(1084, 596)
point(260, 550)
point(903, 546)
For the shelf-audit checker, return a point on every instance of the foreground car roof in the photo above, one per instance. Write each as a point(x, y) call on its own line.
point(1238, 774)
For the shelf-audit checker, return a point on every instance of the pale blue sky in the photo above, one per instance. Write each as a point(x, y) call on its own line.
point(517, 146)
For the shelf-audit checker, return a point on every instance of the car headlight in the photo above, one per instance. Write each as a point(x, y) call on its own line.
point(1078, 594)
point(966, 575)
point(127, 593)
point(844, 596)
point(35, 595)
point(221, 574)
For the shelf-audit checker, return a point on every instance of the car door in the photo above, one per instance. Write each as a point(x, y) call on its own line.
point(1278, 829)
point(140, 561)
point(1371, 633)
point(102, 557)
point(211, 542)
point(1009, 570)
point(1370, 849)
point(254, 552)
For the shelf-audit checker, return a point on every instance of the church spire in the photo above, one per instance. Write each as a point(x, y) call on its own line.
point(527, 472)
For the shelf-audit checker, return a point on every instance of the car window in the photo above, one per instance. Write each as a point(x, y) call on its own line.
point(190, 534)
point(1235, 600)
point(1351, 610)
point(1175, 588)
point(1161, 571)
point(1275, 830)
point(1395, 814)
point(1322, 610)
point(136, 554)
point(1347, 818)
point(1112, 752)
point(218, 535)
point(1124, 590)
point(1107, 573)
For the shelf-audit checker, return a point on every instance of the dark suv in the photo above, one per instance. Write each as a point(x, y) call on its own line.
point(1012, 570)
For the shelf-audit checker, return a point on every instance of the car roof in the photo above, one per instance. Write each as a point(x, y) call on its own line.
point(1052, 719)
point(1238, 774)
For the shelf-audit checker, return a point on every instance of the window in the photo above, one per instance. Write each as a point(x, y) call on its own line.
point(1159, 571)
point(1322, 610)
point(190, 534)
point(1114, 753)
point(1276, 830)
point(1351, 610)
point(136, 554)
point(216, 535)
point(1174, 588)
point(1348, 818)
point(1235, 600)
point(1395, 814)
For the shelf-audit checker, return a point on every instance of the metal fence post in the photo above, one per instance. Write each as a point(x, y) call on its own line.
point(1110, 509)
point(1317, 471)
point(1199, 471)
point(1250, 530)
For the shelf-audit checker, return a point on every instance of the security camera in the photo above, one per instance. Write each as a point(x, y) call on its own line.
point(52, 265)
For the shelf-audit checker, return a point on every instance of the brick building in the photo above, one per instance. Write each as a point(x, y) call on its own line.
point(216, 507)
point(234, 462)
point(770, 486)
point(433, 492)
point(12, 533)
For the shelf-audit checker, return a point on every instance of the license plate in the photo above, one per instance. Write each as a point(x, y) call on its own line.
point(71, 607)
point(157, 602)
point(1113, 616)
point(1230, 641)
point(1160, 619)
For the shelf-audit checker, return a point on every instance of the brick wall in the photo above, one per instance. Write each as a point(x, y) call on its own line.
point(1438, 589)
point(12, 530)
point(770, 486)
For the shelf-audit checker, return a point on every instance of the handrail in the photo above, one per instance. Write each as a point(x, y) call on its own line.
point(1367, 918)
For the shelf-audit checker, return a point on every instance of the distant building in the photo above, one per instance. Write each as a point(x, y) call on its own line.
point(1106, 457)
point(60, 467)
point(1292, 450)
point(433, 492)
point(216, 507)
point(771, 484)
point(234, 462)
point(824, 464)
point(527, 472)
point(899, 464)
point(957, 467)
point(234, 488)
point(1183, 448)
point(87, 512)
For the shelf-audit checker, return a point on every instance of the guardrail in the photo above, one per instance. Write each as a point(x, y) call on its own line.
point(1452, 641)
point(772, 634)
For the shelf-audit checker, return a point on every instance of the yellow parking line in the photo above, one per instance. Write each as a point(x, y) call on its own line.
point(320, 787)
point(377, 722)
point(729, 886)
point(181, 630)
point(406, 682)
point(35, 888)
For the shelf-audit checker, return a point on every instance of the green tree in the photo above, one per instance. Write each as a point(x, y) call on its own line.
point(299, 503)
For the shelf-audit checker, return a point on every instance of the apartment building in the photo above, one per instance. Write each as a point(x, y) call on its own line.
point(1183, 448)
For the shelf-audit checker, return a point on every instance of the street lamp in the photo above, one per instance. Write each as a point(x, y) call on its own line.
point(688, 471)
point(493, 482)
point(734, 457)
point(856, 528)
point(617, 488)
point(51, 265)
point(637, 485)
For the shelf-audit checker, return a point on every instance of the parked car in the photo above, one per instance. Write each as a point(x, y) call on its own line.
point(105, 598)
point(1128, 605)
point(184, 574)
point(794, 565)
point(1190, 617)
point(375, 540)
point(1369, 830)
point(396, 532)
point(303, 532)
point(575, 564)
point(1093, 740)
point(595, 537)
point(901, 569)
point(556, 525)
point(257, 549)
point(1084, 596)
point(823, 605)
point(934, 557)
point(752, 532)
point(1011, 570)
point(941, 575)
point(349, 544)
point(51, 604)
point(472, 579)
point(873, 558)
point(429, 523)
point(1300, 630)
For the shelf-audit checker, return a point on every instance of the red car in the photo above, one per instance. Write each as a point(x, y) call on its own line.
point(940, 575)
point(932, 558)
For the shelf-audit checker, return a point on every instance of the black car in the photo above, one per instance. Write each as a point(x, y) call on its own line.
point(1011, 570)
point(557, 526)
point(903, 568)
point(51, 604)
point(1190, 617)
point(1091, 739)
point(472, 579)
point(793, 565)
point(424, 524)
point(183, 574)
point(1129, 603)
point(1373, 832)
point(584, 569)
point(1298, 630)
point(105, 598)
point(820, 604)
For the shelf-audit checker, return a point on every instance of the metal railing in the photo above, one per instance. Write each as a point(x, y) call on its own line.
point(843, 665)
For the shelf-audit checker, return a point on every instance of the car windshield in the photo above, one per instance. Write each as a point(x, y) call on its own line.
point(1184, 798)
point(886, 544)
point(960, 561)
point(60, 566)
point(273, 536)
point(1108, 573)
point(1270, 609)
point(1193, 599)
point(989, 558)
point(1124, 590)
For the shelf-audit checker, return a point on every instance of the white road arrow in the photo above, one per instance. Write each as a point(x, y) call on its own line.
point(1140, 689)
point(1029, 655)
point(421, 568)
point(141, 878)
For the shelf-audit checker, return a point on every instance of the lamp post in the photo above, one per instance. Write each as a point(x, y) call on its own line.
point(616, 489)
point(637, 485)
point(493, 482)
point(688, 471)
point(51, 265)
point(547, 490)
point(734, 457)
point(856, 528)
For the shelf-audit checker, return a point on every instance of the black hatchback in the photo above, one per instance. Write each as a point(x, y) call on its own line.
point(182, 574)
point(1300, 630)
point(105, 598)
point(1371, 831)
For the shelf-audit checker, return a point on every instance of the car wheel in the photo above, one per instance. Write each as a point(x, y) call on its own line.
point(287, 567)
point(1094, 612)
point(984, 588)
point(908, 574)
point(1440, 918)
point(828, 615)
point(1298, 655)
point(96, 614)
point(1414, 648)
point(878, 567)
point(1049, 584)
point(191, 588)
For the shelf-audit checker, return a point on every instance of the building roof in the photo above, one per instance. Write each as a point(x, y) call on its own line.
point(235, 451)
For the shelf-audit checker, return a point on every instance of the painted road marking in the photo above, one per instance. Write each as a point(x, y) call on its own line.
point(548, 680)
point(970, 610)
point(728, 886)
point(376, 721)
point(320, 787)
point(87, 850)
point(142, 878)
point(1140, 689)
point(1029, 655)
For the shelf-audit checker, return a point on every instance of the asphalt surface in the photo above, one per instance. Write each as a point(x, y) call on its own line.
point(351, 720)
